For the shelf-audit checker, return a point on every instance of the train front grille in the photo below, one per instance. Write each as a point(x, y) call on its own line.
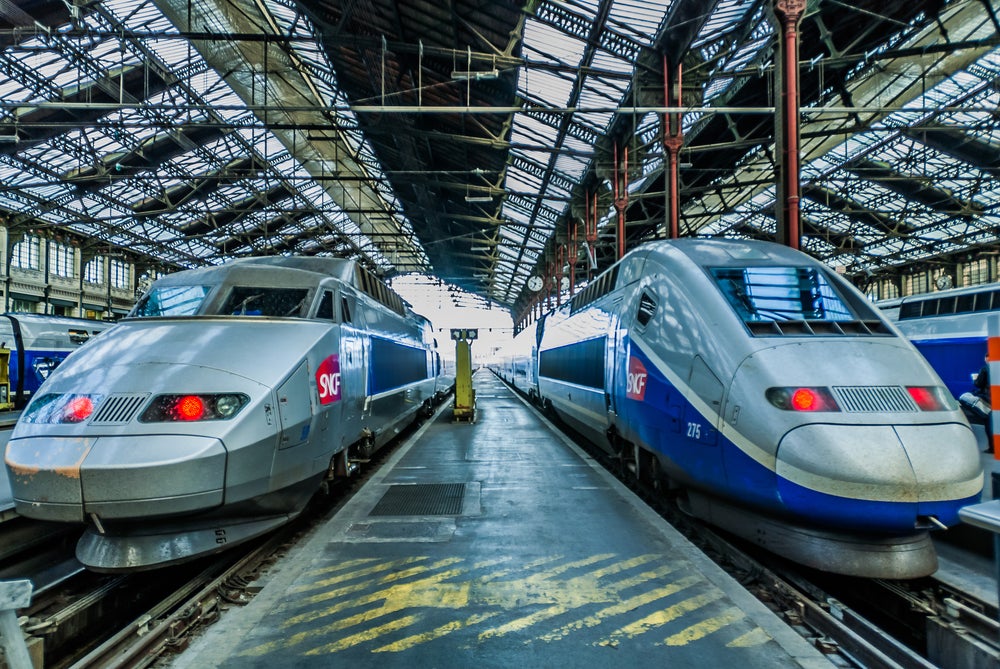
point(874, 399)
point(119, 409)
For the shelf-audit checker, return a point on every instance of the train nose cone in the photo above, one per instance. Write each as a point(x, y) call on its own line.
point(878, 476)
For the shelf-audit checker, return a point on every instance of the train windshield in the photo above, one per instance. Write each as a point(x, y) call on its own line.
point(781, 294)
point(171, 301)
point(254, 301)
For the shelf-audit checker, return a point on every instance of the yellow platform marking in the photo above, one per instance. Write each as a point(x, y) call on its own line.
point(754, 637)
point(704, 628)
point(662, 617)
point(386, 605)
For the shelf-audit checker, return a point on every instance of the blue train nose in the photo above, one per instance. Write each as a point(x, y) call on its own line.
point(878, 476)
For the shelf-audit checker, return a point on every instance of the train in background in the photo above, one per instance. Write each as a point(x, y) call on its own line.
point(38, 343)
point(219, 406)
point(949, 328)
point(769, 394)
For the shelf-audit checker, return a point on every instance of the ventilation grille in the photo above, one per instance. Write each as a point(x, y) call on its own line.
point(818, 328)
point(119, 409)
point(437, 499)
point(874, 399)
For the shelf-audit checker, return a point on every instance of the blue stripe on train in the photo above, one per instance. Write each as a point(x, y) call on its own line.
point(667, 422)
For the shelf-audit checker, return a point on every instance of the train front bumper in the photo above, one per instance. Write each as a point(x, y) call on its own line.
point(115, 477)
point(881, 477)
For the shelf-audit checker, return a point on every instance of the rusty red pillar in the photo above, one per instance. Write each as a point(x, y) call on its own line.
point(621, 196)
point(789, 15)
point(673, 140)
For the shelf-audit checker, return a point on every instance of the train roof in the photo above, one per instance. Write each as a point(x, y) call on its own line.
point(320, 268)
point(719, 251)
point(310, 270)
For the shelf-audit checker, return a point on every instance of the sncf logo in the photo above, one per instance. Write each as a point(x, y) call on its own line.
point(636, 389)
point(328, 380)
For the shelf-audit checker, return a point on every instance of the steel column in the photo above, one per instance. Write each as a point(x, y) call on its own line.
point(789, 14)
point(673, 140)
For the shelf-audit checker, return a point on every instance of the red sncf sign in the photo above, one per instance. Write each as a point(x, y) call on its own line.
point(636, 389)
point(328, 380)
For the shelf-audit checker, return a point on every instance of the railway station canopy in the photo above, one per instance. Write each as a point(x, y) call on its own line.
point(468, 139)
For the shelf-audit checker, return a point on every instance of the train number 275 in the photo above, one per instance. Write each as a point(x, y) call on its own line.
point(694, 430)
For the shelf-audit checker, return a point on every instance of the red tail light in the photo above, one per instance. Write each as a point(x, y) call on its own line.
point(191, 408)
point(932, 398)
point(78, 409)
point(802, 399)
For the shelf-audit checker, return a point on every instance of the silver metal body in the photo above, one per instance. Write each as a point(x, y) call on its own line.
point(323, 385)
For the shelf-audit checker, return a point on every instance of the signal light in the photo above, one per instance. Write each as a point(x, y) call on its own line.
point(802, 399)
point(78, 409)
point(932, 398)
point(192, 408)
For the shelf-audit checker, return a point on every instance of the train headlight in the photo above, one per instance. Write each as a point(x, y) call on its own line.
point(227, 405)
point(193, 407)
point(59, 408)
point(802, 399)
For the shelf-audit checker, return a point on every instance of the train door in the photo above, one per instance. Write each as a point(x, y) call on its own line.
point(616, 361)
point(354, 365)
point(333, 354)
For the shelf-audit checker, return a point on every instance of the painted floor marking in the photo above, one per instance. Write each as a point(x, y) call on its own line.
point(395, 605)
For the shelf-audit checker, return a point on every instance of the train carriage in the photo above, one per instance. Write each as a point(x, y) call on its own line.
point(218, 407)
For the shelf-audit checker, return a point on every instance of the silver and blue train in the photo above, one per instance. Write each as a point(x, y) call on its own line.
point(219, 407)
point(768, 390)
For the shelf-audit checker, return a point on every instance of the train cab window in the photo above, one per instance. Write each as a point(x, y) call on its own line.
point(171, 301)
point(781, 294)
point(254, 301)
point(930, 308)
point(965, 304)
point(325, 310)
point(946, 305)
point(909, 309)
point(647, 307)
point(345, 311)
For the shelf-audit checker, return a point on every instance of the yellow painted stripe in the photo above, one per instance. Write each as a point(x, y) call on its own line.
point(623, 565)
point(361, 587)
point(754, 637)
point(437, 633)
point(355, 574)
point(365, 636)
point(423, 593)
point(342, 566)
point(704, 628)
point(664, 616)
point(575, 593)
point(625, 606)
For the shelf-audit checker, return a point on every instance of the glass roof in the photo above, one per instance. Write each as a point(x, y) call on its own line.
point(118, 127)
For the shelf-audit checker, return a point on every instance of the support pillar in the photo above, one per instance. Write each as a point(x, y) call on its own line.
point(673, 140)
point(788, 14)
point(621, 197)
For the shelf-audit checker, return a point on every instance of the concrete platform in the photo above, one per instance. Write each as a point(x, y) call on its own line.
point(497, 544)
